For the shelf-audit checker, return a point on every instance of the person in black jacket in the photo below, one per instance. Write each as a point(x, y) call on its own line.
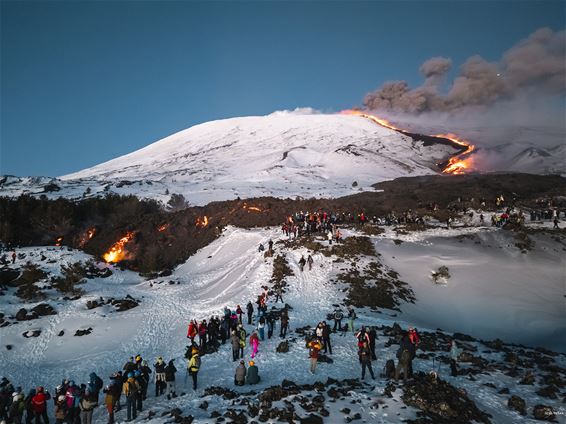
point(338, 316)
point(326, 337)
point(170, 371)
point(365, 360)
point(372, 337)
point(405, 356)
point(250, 310)
point(159, 376)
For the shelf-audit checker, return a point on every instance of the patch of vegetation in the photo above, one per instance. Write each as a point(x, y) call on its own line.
point(353, 246)
point(376, 286)
point(371, 230)
point(72, 275)
point(27, 290)
point(280, 270)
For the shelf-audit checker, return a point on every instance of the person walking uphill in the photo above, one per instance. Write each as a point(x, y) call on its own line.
point(284, 323)
point(193, 367)
point(254, 342)
point(130, 390)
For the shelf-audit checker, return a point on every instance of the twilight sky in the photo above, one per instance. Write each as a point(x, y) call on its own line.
point(84, 82)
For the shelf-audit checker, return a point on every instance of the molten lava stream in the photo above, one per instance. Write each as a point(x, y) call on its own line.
point(457, 164)
point(117, 252)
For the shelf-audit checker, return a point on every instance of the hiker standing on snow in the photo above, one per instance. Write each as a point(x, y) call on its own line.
point(159, 376)
point(454, 355)
point(310, 262)
point(372, 334)
point(250, 310)
point(302, 263)
point(314, 350)
point(326, 337)
point(405, 358)
point(365, 359)
point(254, 342)
point(130, 390)
point(235, 342)
point(351, 317)
point(278, 293)
point(284, 323)
point(261, 328)
point(170, 371)
point(338, 316)
point(193, 367)
point(242, 336)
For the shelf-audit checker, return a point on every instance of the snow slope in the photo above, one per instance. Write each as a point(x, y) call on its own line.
point(281, 155)
point(230, 271)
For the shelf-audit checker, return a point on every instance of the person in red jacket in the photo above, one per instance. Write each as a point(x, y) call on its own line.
point(39, 405)
point(192, 331)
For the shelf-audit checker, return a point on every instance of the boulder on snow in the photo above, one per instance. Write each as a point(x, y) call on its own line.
point(44, 309)
point(124, 304)
point(312, 419)
point(283, 347)
point(518, 404)
point(544, 413)
point(32, 333)
point(441, 401)
point(86, 332)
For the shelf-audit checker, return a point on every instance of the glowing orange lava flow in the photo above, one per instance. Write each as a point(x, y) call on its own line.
point(117, 252)
point(201, 222)
point(251, 208)
point(457, 164)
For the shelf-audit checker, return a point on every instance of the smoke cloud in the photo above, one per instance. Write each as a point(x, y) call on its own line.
point(535, 66)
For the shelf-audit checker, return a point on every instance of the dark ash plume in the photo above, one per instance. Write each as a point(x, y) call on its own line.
point(535, 66)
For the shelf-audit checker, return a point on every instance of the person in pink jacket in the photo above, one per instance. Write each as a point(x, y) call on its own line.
point(254, 341)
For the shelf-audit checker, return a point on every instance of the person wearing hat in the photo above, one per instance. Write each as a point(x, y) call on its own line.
point(16, 412)
point(130, 389)
point(60, 409)
point(159, 376)
point(252, 376)
point(129, 366)
point(193, 366)
point(240, 376)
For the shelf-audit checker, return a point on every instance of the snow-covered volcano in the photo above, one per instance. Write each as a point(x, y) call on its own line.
point(282, 154)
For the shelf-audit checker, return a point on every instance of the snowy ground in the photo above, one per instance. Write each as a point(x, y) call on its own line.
point(491, 285)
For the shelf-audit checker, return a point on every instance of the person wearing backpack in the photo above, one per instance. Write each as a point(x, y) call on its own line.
point(87, 404)
point(130, 390)
point(16, 412)
point(405, 358)
point(159, 376)
point(242, 336)
point(314, 349)
point(193, 367)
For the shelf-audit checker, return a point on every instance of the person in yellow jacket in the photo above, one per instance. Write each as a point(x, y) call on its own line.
point(193, 366)
point(130, 389)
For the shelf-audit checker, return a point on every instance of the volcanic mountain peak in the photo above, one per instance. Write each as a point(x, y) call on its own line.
point(278, 154)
